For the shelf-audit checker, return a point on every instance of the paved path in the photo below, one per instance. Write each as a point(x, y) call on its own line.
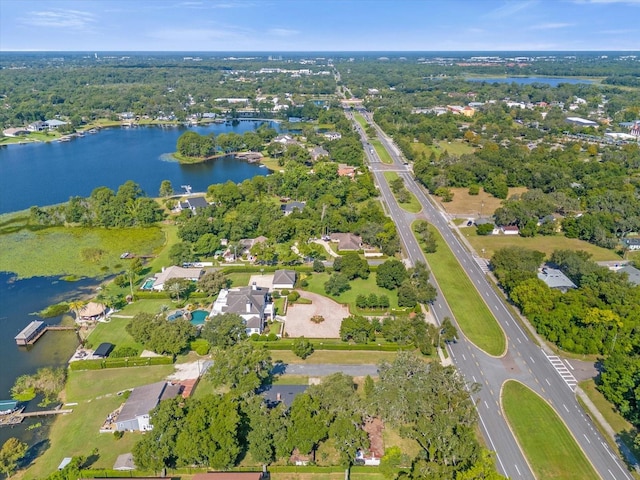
point(298, 316)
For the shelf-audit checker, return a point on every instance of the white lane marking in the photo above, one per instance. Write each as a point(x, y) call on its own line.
point(565, 407)
point(474, 379)
point(548, 382)
point(586, 438)
point(570, 366)
point(517, 469)
point(518, 338)
point(532, 360)
point(486, 404)
point(464, 358)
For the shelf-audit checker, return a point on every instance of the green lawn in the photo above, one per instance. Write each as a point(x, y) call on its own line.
point(413, 205)
point(77, 433)
point(79, 251)
point(456, 147)
point(162, 252)
point(469, 309)
point(239, 279)
point(548, 445)
point(339, 357)
point(487, 245)
point(114, 332)
point(358, 286)
point(381, 151)
point(360, 119)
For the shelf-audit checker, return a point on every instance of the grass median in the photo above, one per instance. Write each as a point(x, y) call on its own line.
point(412, 205)
point(472, 314)
point(549, 447)
point(381, 151)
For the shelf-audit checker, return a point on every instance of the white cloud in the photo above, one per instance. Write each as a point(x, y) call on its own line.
point(550, 26)
point(58, 18)
point(282, 32)
point(509, 9)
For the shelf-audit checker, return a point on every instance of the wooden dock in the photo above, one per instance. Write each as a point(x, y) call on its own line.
point(32, 332)
point(18, 416)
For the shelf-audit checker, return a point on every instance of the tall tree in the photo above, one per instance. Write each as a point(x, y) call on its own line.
point(10, 454)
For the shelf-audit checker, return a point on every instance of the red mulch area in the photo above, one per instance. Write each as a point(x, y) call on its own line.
point(374, 427)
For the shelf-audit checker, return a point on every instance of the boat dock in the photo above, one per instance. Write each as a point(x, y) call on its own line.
point(18, 416)
point(32, 332)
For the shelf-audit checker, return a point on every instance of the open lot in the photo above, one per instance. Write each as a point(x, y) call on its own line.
point(298, 321)
point(475, 205)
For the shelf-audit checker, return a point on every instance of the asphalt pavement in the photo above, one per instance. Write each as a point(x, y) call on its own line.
point(549, 376)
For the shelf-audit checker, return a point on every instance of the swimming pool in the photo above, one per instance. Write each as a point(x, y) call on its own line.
point(148, 284)
point(198, 317)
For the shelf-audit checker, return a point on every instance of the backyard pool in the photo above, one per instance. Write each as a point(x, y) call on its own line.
point(148, 283)
point(198, 317)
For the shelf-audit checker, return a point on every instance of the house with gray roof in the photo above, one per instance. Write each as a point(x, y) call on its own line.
point(555, 279)
point(633, 274)
point(318, 152)
point(284, 279)
point(193, 204)
point(134, 415)
point(347, 242)
point(291, 207)
point(275, 394)
point(631, 243)
point(174, 271)
point(251, 303)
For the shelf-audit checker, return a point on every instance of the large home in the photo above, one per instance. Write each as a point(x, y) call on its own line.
point(53, 124)
point(284, 279)
point(555, 279)
point(289, 208)
point(347, 242)
point(134, 415)
point(275, 394)
point(174, 271)
point(332, 135)
point(38, 126)
point(193, 204)
point(251, 303)
point(285, 139)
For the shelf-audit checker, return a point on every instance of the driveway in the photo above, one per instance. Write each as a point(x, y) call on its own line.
point(298, 321)
point(324, 369)
point(265, 281)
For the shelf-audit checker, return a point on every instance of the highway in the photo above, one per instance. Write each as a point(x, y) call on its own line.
point(524, 361)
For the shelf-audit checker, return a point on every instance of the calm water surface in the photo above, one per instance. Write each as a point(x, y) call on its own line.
point(49, 173)
point(19, 299)
point(551, 81)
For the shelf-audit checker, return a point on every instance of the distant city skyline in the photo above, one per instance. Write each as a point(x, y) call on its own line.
point(319, 25)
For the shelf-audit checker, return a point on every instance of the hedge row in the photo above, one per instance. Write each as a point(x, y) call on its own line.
point(99, 364)
point(159, 295)
point(105, 473)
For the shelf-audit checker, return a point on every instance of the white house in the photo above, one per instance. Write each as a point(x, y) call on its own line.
point(284, 279)
point(251, 303)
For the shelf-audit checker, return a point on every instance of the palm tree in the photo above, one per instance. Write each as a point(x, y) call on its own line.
point(176, 288)
point(76, 306)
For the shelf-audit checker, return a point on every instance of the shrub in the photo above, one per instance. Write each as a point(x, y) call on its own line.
point(272, 337)
point(317, 319)
point(118, 434)
point(200, 346)
point(302, 347)
point(122, 352)
point(255, 337)
point(284, 292)
point(293, 296)
point(275, 294)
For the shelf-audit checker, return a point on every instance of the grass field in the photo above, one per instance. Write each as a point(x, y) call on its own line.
point(358, 286)
point(487, 245)
point(412, 206)
point(77, 433)
point(546, 442)
point(114, 332)
point(381, 151)
point(457, 147)
point(472, 314)
point(475, 205)
point(79, 251)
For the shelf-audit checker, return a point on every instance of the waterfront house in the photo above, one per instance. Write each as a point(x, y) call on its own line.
point(174, 271)
point(193, 204)
point(38, 126)
point(134, 415)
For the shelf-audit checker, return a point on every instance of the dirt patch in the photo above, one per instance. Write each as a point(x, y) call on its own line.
point(374, 427)
point(298, 321)
point(475, 205)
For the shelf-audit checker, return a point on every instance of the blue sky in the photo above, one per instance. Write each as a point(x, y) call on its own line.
point(319, 25)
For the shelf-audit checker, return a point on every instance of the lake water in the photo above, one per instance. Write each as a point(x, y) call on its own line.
point(551, 81)
point(48, 173)
point(19, 299)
